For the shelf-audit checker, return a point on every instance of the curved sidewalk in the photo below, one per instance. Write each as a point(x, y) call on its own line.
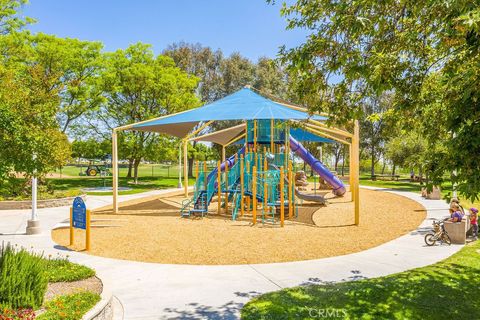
point(159, 291)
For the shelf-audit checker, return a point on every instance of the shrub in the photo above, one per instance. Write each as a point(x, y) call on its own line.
point(23, 281)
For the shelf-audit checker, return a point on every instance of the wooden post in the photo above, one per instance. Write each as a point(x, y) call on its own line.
point(226, 187)
point(282, 202)
point(242, 187)
point(351, 170)
point(254, 194)
point(272, 132)
point(255, 136)
point(223, 154)
point(356, 156)
point(185, 166)
point(87, 232)
point(290, 195)
point(219, 185)
point(72, 233)
point(115, 171)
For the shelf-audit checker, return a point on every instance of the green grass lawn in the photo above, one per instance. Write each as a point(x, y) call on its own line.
point(144, 170)
point(445, 290)
point(405, 185)
point(144, 184)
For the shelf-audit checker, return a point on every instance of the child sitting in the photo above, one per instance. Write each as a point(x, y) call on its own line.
point(474, 222)
point(456, 214)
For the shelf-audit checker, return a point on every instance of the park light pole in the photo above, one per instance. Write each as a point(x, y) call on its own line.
point(33, 225)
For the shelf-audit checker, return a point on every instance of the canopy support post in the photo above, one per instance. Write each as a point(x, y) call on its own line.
point(115, 170)
point(179, 166)
point(185, 166)
point(356, 176)
point(350, 172)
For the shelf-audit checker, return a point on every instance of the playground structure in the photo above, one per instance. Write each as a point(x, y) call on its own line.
point(259, 178)
point(260, 174)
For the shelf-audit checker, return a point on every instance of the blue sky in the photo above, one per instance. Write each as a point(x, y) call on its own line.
point(251, 27)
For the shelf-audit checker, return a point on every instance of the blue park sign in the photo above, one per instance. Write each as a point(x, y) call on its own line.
point(79, 213)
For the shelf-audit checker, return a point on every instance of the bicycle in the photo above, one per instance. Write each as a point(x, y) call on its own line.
point(439, 234)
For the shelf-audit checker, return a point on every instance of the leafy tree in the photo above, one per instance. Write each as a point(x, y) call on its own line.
point(91, 148)
point(270, 78)
point(408, 149)
point(77, 64)
point(9, 20)
point(28, 104)
point(137, 86)
point(376, 127)
point(364, 48)
point(28, 123)
point(202, 62)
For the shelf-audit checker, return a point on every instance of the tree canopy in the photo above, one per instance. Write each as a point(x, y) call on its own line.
point(425, 52)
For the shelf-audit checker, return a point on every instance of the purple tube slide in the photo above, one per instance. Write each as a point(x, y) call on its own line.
point(230, 162)
point(318, 167)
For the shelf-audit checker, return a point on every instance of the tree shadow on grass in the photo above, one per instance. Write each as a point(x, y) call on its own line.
point(441, 291)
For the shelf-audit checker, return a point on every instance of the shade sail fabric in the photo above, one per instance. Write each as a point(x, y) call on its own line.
point(223, 136)
point(244, 104)
point(301, 135)
point(179, 130)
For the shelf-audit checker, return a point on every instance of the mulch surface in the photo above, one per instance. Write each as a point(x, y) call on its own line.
point(151, 230)
point(92, 284)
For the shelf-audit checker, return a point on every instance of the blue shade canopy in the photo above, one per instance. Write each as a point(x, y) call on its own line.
point(300, 135)
point(244, 104)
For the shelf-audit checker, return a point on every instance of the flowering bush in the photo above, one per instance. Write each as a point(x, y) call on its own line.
point(19, 314)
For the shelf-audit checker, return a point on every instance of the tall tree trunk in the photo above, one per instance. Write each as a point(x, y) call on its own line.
point(337, 159)
point(372, 169)
point(393, 169)
point(130, 166)
point(343, 160)
point(420, 173)
point(190, 162)
point(384, 165)
point(136, 163)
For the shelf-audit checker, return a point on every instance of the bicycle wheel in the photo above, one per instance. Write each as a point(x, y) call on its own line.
point(430, 239)
point(446, 239)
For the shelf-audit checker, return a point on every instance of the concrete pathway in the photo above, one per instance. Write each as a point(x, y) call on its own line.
point(159, 291)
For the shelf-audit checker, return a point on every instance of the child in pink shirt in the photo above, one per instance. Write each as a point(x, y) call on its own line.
point(474, 222)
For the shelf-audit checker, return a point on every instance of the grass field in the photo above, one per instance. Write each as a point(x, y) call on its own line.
point(144, 170)
point(144, 184)
point(445, 290)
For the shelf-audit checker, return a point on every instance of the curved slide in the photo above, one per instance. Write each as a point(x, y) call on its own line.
point(338, 186)
point(310, 197)
point(307, 197)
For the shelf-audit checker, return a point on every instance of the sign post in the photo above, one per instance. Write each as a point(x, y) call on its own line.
point(80, 219)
